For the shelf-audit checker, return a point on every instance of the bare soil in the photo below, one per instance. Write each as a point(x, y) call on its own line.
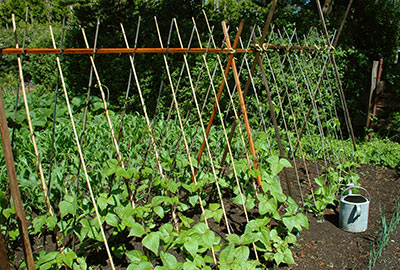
point(326, 246)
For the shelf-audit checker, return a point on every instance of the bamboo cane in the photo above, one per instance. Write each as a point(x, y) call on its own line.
point(82, 159)
point(200, 119)
point(31, 130)
point(226, 138)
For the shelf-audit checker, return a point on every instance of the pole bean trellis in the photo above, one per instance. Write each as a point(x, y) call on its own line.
point(275, 78)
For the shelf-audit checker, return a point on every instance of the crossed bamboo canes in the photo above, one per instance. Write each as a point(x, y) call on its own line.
point(225, 132)
point(286, 121)
point(324, 145)
point(151, 131)
point(182, 132)
point(114, 139)
point(232, 103)
point(31, 129)
point(200, 119)
point(81, 157)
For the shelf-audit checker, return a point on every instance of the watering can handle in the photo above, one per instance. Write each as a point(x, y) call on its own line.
point(358, 211)
point(358, 187)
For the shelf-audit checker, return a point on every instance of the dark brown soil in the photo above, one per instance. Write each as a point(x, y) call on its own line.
point(325, 246)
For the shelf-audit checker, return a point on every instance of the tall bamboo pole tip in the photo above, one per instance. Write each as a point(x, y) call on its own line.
point(13, 22)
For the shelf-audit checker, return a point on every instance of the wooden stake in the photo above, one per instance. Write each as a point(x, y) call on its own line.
point(12, 175)
point(4, 263)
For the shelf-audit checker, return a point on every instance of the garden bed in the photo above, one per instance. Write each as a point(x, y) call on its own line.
point(323, 246)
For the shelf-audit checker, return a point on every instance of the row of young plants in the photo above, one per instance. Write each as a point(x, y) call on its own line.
point(150, 239)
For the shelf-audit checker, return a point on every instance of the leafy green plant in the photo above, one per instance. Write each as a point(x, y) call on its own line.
point(329, 185)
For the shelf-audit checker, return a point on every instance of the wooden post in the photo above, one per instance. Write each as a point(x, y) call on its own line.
point(4, 264)
point(377, 68)
point(8, 156)
point(379, 86)
point(374, 75)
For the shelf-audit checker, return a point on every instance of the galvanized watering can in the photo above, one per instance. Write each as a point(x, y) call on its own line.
point(353, 216)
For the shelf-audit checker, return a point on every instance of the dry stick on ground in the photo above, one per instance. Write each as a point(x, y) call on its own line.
point(225, 135)
point(119, 155)
point(19, 211)
point(200, 119)
point(82, 158)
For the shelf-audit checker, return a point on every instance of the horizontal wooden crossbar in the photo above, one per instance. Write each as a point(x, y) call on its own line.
point(152, 50)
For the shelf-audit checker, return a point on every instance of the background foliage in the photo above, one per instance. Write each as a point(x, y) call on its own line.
point(370, 33)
